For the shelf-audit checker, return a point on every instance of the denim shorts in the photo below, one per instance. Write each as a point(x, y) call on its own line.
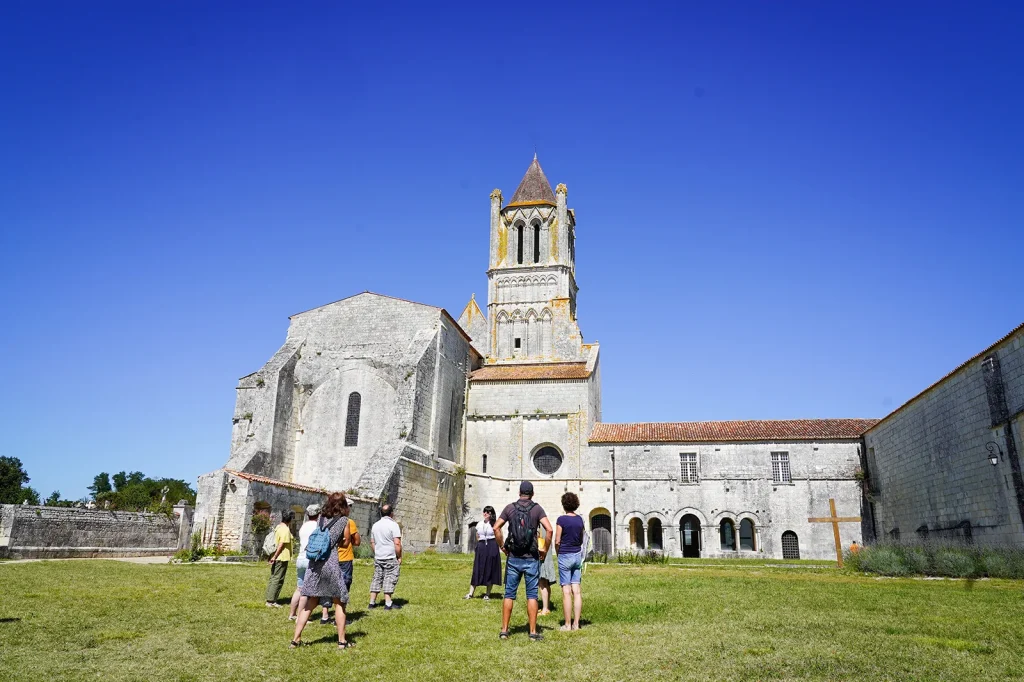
point(517, 568)
point(570, 567)
point(301, 564)
point(346, 572)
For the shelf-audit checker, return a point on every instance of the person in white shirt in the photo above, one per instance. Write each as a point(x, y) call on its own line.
point(386, 541)
point(487, 559)
point(302, 563)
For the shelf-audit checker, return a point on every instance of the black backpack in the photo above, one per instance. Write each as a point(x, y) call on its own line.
point(522, 531)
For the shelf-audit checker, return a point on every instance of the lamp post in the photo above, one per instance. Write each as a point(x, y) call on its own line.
point(995, 452)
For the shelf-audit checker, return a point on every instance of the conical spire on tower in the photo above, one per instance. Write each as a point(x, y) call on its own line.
point(534, 189)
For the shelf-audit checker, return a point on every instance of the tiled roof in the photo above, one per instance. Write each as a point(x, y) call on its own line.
point(748, 430)
point(534, 188)
point(286, 484)
point(550, 370)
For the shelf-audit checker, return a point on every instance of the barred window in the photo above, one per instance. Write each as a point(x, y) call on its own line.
point(688, 467)
point(352, 420)
point(780, 467)
point(790, 545)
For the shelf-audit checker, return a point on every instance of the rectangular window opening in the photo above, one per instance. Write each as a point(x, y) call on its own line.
point(483, 466)
point(688, 467)
point(780, 467)
point(519, 342)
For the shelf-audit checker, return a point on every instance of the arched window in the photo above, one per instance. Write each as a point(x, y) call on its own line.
point(458, 538)
point(483, 462)
point(747, 535)
point(636, 533)
point(727, 531)
point(433, 536)
point(352, 420)
point(790, 545)
point(446, 536)
point(654, 534)
point(536, 242)
point(547, 460)
point(519, 244)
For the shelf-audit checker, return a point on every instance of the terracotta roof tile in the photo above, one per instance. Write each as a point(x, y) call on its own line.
point(549, 370)
point(726, 431)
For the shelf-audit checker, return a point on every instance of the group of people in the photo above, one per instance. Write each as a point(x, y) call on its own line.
point(530, 559)
point(327, 539)
point(324, 565)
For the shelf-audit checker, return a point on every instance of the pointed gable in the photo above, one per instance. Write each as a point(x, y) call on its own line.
point(474, 323)
point(534, 189)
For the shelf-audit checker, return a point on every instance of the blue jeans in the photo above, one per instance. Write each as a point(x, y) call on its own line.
point(301, 564)
point(570, 568)
point(517, 568)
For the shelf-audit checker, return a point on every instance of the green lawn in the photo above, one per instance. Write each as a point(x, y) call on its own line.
point(117, 621)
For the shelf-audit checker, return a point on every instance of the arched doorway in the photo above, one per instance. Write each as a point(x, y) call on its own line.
point(790, 545)
point(689, 535)
point(636, 533)
point(601, 532)
point(728, 535)
point(654, 535)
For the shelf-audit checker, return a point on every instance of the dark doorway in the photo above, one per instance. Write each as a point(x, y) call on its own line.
point(689, 535)
point(601, 529)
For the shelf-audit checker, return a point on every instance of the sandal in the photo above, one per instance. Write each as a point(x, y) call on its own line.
point(296, 643)
point(536, 637)
point(503, 634)
point(346, 645)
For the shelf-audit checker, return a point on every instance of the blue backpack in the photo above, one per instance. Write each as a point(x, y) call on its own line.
point(319, 546)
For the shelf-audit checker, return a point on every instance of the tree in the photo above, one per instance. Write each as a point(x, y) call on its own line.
point(29, 495)
point(53, 500)
point(100, 485)
point(123, 480)
point(12, 480)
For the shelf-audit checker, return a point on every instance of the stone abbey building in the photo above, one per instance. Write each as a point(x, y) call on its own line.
point(389, 399)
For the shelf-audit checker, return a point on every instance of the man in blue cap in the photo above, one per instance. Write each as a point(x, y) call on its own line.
point(523, 517)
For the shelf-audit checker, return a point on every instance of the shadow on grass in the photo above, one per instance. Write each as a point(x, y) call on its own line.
point(10, 620)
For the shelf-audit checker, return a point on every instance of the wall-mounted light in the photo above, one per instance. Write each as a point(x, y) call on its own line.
point(995, 453)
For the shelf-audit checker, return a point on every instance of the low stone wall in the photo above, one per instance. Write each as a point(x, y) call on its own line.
point(29, 532)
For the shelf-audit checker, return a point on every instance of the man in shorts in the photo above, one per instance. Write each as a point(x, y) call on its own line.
point(523, 517)
point(386, 541)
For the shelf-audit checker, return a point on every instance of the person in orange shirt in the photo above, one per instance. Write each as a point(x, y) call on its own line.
point(346, 550)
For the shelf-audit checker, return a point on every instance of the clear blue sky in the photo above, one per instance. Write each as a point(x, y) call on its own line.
point(785, 210)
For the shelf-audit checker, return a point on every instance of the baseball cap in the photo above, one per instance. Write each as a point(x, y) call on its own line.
point(313, 510)
point(525, 488)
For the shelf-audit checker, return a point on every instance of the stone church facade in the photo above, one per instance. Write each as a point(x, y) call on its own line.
point(388, 399)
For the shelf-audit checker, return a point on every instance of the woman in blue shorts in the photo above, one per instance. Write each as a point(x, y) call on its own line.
point(569, 532)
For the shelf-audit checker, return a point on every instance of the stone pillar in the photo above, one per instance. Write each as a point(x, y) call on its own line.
point(563, 230)
point(184, 512)
point(496, 200)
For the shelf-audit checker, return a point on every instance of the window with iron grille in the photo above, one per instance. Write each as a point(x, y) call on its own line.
point(780, 467)
point(790, 545)
point(352, 420)
point(688, 467)
point(547, 460)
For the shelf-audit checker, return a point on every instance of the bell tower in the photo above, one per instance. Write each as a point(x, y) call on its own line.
point(531, 291)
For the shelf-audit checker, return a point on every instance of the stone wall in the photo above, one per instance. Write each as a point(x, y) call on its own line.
point(428, 502)
point(928, 463)
point(28, 532)
point(735, 483)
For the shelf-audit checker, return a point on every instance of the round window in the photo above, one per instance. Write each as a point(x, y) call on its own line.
point(547, 460)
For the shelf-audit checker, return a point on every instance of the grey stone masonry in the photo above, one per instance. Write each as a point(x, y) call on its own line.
point(28, 532)
point(928, 463)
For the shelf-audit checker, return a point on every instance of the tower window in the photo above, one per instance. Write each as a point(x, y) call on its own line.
point(352, 420)
point(519, 244)
point(536, 242)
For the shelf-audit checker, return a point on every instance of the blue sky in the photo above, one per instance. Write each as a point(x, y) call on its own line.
point(785, 210)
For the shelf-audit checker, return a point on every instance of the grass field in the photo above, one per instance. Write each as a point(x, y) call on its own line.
point(117, 621)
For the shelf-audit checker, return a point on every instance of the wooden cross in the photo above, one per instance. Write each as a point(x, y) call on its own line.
point(835, 521)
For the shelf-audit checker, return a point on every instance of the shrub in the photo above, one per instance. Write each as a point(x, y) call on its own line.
point(954, 563)
point(884, 560)
point(642, 557)
point(916, 560)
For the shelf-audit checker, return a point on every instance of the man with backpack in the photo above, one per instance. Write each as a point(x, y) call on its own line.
point(522, 517)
